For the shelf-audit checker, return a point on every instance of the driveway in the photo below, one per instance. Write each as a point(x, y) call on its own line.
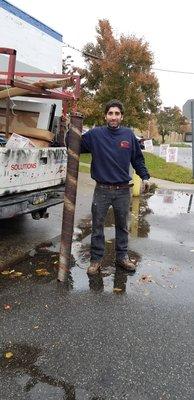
point(115, 336)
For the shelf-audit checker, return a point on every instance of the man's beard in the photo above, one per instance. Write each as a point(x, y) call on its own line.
point(112, 126)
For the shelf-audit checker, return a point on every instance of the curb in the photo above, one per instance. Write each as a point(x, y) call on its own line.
point(184, 187)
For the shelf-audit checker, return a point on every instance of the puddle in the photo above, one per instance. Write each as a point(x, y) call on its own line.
point(171, 203)
point(41, 266)
point(22, 367)
point(38, 373)
point(22, 356)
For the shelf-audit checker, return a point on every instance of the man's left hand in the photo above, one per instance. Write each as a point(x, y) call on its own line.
point(146, 185)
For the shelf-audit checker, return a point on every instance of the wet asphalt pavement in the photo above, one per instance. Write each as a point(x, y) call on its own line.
point(20, 235)
point(113, 336)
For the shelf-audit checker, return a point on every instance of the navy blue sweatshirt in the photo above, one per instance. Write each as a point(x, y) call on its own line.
point(112, 152)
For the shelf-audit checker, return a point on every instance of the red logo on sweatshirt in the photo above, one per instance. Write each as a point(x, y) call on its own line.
point(124, 144)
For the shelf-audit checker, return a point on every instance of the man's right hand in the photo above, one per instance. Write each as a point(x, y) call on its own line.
point(146, 185)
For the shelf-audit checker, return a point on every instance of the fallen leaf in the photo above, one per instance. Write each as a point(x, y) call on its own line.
point(172, 286)
point(8, 272)
point(146, 292)
point(7, 306)
point(8, 354)
point(42, 272)
point(174, 269)
point(16, 274)
point(117, 290)
point(146, 279)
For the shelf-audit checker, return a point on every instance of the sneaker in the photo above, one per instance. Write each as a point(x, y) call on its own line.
point(94, 267)
point(127, 264)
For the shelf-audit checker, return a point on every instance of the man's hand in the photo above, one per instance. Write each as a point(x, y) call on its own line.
point(146, 185)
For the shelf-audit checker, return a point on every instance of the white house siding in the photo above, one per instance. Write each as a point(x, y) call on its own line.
point(39, 48)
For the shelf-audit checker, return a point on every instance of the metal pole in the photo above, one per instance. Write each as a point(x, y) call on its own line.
point(7, 118)
point(192, 129)
point(75, 132)
point(190, 203)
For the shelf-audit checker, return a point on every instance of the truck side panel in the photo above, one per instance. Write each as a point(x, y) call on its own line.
point(24, 170)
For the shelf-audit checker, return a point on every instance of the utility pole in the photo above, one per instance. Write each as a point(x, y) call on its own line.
point(188, 111)
point(75, 132)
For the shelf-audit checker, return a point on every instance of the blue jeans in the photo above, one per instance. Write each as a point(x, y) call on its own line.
point(119, 199)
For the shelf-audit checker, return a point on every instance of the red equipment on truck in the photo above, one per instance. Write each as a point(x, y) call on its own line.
point(32, 160)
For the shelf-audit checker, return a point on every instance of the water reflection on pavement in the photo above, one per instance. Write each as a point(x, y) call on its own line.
point(115, 335)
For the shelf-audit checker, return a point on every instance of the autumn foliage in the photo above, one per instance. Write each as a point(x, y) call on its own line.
point(121, 69)
point(171, 120)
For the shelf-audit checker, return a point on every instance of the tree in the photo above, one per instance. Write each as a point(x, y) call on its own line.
point(118, 68)
point(67, 65)
point(170, 120)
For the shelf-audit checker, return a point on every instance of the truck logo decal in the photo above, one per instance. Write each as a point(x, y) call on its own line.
point(17, 167)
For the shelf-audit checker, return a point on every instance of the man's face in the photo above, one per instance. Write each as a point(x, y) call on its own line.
point(113, 117)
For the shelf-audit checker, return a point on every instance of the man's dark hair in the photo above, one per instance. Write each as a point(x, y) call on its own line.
point(114, 103)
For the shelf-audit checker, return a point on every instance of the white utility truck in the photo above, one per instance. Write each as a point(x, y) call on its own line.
point(31, 178)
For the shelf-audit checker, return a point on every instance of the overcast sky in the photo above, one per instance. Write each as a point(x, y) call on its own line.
point(167, 25)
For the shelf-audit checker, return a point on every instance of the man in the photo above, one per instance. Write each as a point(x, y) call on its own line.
point(113, 148)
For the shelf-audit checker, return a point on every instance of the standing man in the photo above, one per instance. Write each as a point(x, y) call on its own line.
point(113, 148)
